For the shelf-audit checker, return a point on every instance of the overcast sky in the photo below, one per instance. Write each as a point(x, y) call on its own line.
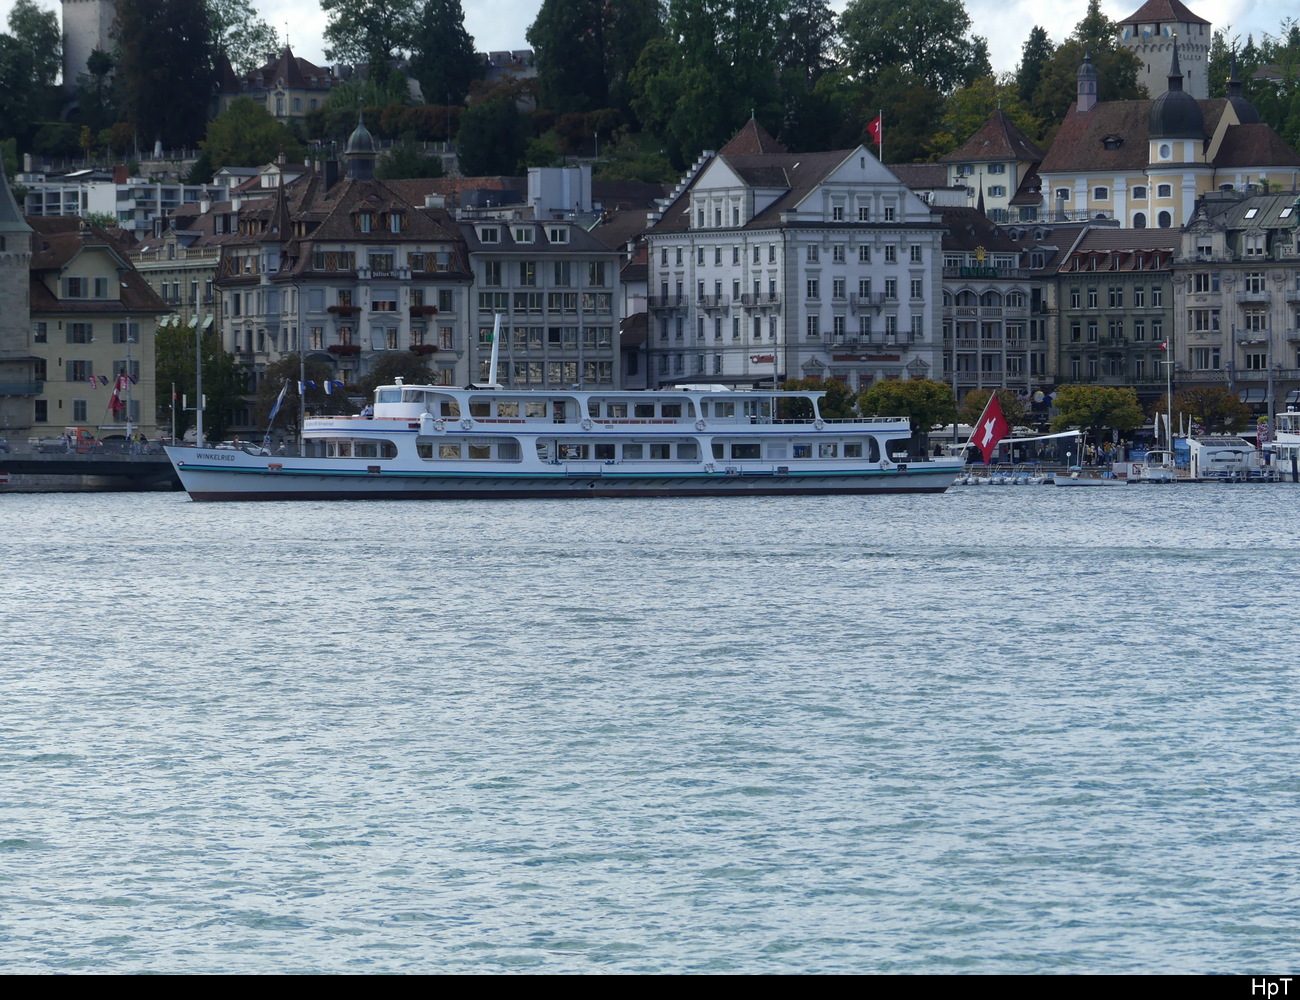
point(500, 24)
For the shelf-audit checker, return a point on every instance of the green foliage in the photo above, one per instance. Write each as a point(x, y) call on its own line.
point(1095, 408)
point(1013, 407)
point(407, 159)
point(202, 171)
point(634, 157)
point(1117, 68)
point(970, 107)
point(715, 66)
point(224, 380)
point(543, 152)
point(1035, 53)
point(95, 92)
point(837, 404)
point(392, 366)
point(923, 401)
point(247, 135)
point(239, 31)
point(491, 140)
point(443, 59)
point(369, 31)
point(165, 68)
point(929, 40)
point(1213, 408)
point(58, 139)
point(38, 32)
point(586, 51)
point(104, 220)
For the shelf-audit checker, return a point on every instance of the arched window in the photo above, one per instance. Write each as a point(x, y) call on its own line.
point(1140, 220)
point(1164, 220)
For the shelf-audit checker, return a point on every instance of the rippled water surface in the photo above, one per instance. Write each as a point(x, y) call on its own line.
point(999, 730)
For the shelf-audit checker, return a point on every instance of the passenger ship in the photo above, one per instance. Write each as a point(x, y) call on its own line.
point(437, 442)
point(1286, 445)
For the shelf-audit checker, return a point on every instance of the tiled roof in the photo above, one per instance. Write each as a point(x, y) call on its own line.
point(56, 240)
point(999, 138)
point(1255, 146)
point(968, 228)
point(1163, 12)
point(920, 176)
point(750, 140)
point(1080, 146)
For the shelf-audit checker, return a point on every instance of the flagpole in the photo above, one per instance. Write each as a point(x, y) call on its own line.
point(880, 117)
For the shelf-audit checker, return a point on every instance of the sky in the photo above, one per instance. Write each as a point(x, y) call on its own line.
point(500, 24)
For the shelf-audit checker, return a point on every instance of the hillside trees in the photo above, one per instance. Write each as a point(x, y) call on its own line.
point(239, 31)
point(443, 58)
point(165, 68)
point(247, 135)
point(1117, 68)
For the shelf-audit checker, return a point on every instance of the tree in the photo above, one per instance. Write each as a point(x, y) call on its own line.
point(805, 54)
point(288, 370)
point(837, 404)
point(970, 107)
point(224, 380)
point(442, 56)
point(1117, 68)
point(568, 45)
point(371, 31)
point(407, 159)
point(239, 31)
point(409, 368)
point(165, 67)
point(247, 135)
point(1013, 407)
point(38, 31)
point(95, 92)
point(1095, 408)
point(491, 139)
point(1213, 408)
point(587, 50)
point(1037, 50)
point(923, 401)
point(928, 39)
point(18, 94)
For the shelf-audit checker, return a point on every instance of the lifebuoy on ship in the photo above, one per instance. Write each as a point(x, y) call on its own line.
point(467, 423)
point(819, 424)
point(586, 423)
point(438, 425)
point(700, 425)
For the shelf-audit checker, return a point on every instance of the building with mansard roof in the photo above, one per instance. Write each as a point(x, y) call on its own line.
point(1145, 163)
point(765, 264)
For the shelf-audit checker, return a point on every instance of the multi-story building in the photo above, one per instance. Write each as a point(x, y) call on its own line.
point(991, 340)
point(997, 166)
point(346, 272)
point(1116, 307)
point(555, 287)
point(288, 86)
point(93, 319)
point(1146, 162)
point(1237, 298)
point(770, 265)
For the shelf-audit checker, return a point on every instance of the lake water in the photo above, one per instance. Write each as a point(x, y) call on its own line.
point(1015, 730)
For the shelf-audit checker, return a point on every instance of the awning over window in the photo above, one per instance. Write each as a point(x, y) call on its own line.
point(1253, 395)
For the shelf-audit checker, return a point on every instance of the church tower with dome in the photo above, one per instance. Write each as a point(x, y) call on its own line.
point(1151, 33)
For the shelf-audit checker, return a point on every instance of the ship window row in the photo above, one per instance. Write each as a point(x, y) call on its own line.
point(658, 451)
point(475, 449)
point(355, 448)
point(785, 450)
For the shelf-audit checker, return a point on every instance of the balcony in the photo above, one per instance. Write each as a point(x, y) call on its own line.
point(667, 302)
point(425, 311)
point(344, 310)
point(871, 300)
point(714, 301)
point(1261, 295)
point(21, 388)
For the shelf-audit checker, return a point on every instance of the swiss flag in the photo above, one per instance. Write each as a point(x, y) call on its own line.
point(874, 128)
point(991, 428)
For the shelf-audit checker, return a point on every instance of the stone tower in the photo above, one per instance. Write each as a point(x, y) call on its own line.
point(86, 27)
point(1150, 33)
point(17, 374)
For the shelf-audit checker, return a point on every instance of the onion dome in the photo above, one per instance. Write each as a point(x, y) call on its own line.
point(1176, 114)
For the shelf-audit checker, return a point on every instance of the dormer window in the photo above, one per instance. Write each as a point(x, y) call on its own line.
point(1111, 142)
point(557, 234)
point(523, 234)
point(396, 222)
point(365, 222)
point(489, 234)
